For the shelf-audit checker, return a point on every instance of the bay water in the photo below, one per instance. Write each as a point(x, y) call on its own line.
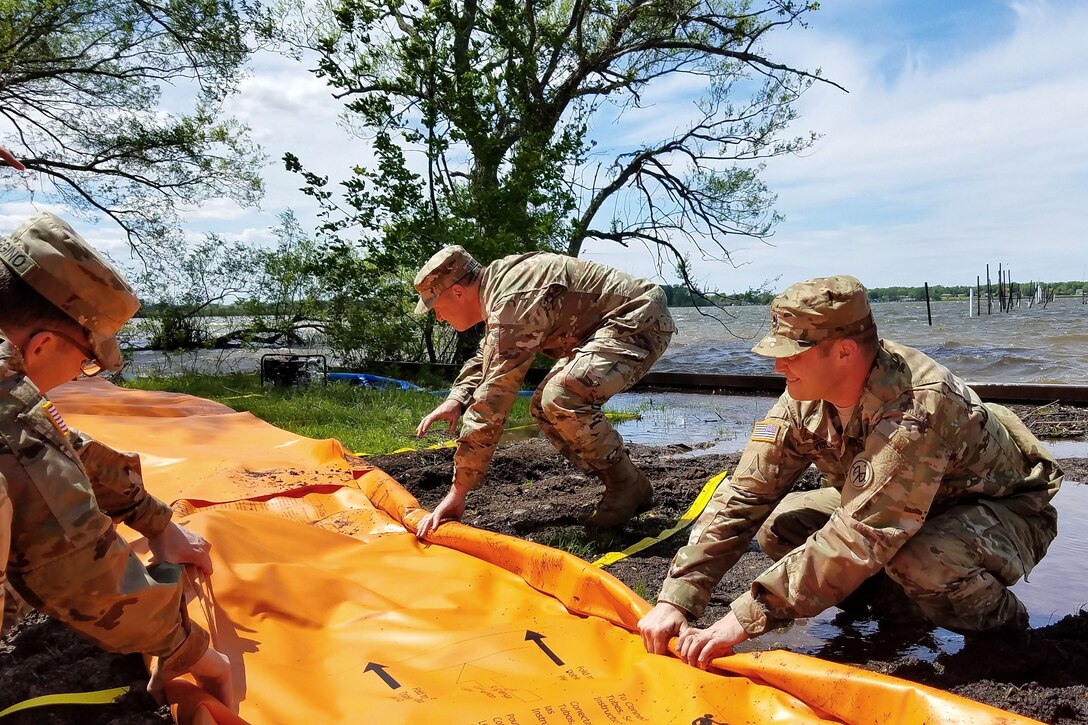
point(1036, 345)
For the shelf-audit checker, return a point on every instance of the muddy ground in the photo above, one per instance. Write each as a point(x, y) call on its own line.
point(533, 493)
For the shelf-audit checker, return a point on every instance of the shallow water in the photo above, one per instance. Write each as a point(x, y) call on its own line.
point(721, 423)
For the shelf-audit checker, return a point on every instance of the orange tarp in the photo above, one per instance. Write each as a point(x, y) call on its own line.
point(332, 611)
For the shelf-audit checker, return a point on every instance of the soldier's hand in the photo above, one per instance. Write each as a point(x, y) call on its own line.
point(212, 672)
point(699, 646)
point(450, 410)
point(664, 622)
point(178, 545)
point(451, 508)
point(8, 158)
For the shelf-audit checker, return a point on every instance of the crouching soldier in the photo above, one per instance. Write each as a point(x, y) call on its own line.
point(606, 329)
point(61, 492)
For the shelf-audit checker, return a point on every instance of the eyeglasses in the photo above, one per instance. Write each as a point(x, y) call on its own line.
point(90, 365)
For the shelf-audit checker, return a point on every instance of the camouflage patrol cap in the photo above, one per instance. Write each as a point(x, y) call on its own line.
point(60, 266)
point(442, 271)
point(825, 308)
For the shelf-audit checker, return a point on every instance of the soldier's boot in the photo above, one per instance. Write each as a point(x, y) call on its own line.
point(627, 493)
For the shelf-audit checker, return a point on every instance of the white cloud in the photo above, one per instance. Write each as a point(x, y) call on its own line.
point(945, 166)
point(212, 210)
point(959, 143)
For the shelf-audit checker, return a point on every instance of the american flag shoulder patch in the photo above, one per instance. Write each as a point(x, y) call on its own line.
point(56, 417)
point(765, 431)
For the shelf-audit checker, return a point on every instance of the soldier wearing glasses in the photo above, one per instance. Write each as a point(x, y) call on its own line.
point(62, 493)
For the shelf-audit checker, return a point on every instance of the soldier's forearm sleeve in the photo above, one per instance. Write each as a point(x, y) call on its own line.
point(719, 537)
point(470, 377)
point(102, 591)
point(885, 500)
point(117, 481)
point(767, 470)
point(484, 419)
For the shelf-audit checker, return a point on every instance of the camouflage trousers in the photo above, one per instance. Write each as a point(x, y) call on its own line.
point(567, 404)
point(957, 568)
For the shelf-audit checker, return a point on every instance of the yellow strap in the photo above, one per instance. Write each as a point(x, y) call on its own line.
point(99, 697)
point(690, 515)
point(409, 449)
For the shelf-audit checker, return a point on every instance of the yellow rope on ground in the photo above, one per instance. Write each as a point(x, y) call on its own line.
point(239, 397)
point(99, 697)
point(690, 515)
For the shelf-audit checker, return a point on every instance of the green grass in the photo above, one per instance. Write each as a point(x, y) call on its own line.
point(640, 588)
point(582, 542)
point(364, 420)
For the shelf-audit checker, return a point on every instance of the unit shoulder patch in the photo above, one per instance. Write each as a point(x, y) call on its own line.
point(861, 473)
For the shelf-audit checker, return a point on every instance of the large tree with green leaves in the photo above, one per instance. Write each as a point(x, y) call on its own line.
point(80, 88)
point(499, 98)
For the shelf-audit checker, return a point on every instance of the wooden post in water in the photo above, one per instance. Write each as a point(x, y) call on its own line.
point(929, 315)
point(989, 293)
point(970, 301)
point(1000, 289)
point(978, 296)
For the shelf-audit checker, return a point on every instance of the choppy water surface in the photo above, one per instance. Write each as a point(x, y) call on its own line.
point(1026, 345)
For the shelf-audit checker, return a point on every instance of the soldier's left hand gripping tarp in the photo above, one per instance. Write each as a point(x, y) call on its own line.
point(332, 611)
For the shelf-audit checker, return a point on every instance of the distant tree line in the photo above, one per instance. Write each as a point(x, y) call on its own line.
point(679, 295)
point(942, 292)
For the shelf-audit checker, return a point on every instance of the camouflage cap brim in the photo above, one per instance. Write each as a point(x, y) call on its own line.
point(778, 346)
point(423, 307)
point(106, 351)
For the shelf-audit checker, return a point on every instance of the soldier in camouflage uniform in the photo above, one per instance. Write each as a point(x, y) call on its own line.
point(606, 329)
point(950, 497)
point(61, 493)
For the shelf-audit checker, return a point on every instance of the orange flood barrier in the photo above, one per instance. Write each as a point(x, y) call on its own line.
point(332, 611)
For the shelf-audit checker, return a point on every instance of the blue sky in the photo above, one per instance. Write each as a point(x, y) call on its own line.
point(961, 142)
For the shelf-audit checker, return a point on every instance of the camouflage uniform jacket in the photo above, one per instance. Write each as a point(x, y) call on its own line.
point(919, 442)
point(65, 556)
point(550, 304)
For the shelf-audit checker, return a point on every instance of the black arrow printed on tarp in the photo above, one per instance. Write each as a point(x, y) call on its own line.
point(386, 677)
point(537, 638)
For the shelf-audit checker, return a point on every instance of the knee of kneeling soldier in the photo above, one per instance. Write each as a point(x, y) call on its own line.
point(919, 569)
point(771, 543)
point(556, 403)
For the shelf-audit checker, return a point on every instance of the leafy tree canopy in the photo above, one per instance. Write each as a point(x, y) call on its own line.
point(80, 89)
point(480, 114)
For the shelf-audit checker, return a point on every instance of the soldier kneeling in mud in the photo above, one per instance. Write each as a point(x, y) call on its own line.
point(947, 496)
